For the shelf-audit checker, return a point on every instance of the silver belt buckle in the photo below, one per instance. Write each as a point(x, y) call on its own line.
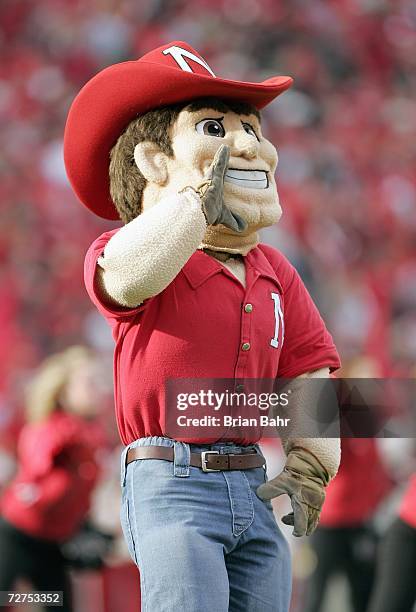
point(204, 461)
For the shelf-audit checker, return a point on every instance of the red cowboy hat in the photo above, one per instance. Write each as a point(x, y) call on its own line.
point(110, 100)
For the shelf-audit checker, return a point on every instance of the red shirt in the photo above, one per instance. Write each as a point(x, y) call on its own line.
point(50, 494)
point(197, 328)
point(407, 510)
point(353, 497)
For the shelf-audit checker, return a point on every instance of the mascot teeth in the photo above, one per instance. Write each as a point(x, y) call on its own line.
point(251, 179)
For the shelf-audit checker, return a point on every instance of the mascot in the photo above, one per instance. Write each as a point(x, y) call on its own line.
point(179, 156)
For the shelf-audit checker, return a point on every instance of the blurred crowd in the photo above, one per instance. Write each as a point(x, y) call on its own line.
point(345, 133)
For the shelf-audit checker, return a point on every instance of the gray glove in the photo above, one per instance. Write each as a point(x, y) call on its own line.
point(211, 194)
point(304, 479)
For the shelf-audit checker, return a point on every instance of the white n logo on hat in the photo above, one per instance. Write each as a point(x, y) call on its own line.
point(179, 55)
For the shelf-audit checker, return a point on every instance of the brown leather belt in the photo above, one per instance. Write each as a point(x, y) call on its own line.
point(208, 461)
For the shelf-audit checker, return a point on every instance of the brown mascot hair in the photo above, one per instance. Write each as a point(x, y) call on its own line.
point(127, 183)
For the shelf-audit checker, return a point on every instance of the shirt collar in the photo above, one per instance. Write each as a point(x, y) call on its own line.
point(261, 265)
point(200, 267)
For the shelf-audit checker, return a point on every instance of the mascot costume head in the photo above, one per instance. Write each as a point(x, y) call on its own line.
point(140, 130)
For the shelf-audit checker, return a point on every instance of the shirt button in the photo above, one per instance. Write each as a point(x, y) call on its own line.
point(248, 308)
point(245, 346)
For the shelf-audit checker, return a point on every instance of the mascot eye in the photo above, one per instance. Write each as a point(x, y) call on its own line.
point(250, 130)
point(211, 127)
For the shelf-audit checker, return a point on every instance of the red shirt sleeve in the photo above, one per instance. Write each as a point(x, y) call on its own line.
point(107, 309)
point(307, 345)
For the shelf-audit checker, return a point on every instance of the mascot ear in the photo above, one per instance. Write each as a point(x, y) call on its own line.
point(151, 162)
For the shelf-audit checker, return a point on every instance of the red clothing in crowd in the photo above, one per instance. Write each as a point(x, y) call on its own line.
point(360, 485)
point(199, 327)
point(407, 511)
point(50, 494)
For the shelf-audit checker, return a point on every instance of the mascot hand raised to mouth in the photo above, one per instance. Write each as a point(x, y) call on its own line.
point(179, 156)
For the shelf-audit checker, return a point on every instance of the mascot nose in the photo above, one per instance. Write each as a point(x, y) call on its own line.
point(245, 146)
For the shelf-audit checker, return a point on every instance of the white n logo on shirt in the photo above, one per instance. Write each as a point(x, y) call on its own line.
point(278, 321)
point(179, 55)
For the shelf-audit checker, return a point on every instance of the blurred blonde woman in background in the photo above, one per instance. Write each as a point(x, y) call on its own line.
point(49, 497)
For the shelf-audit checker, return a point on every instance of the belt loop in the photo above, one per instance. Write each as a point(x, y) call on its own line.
point(181, 459)
point(123, 466)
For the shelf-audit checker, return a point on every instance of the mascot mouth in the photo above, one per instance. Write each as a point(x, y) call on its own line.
point(250, 179)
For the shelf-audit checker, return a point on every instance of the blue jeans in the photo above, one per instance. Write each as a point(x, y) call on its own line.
point(204, 542)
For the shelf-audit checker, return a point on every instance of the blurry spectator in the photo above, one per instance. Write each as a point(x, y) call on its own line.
point(345, 541)
point(49, 497)
point(395, 587)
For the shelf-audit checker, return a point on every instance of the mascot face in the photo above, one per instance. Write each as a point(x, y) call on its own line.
point(249, 186)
